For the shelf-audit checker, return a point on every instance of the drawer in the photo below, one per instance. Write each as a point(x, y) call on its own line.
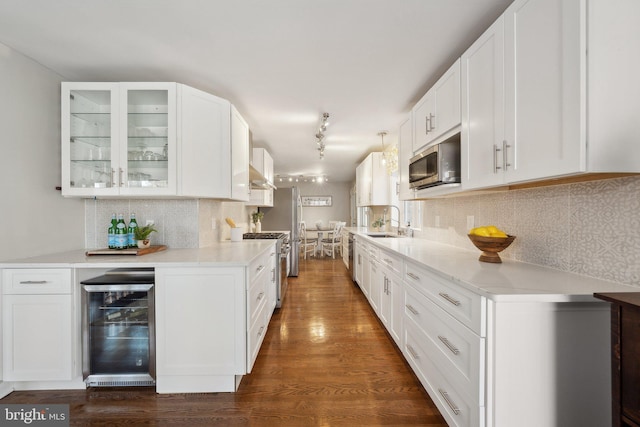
point(454, 348)
point(467, 307)
point(456, 407)
point(373, 251)
point(42, 281)
point(255, 336)
point(256, 297)
point(261, 266)
point(392, 261)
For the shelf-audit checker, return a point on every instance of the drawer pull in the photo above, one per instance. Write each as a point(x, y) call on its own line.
point(448, 298)
point(412, 310)
point(450, 346)
point(452, 405)
point(260, 296)
point(388, 261)
point(33, 282)
point(413, 276)
point(261, 330)
point(414, 354)
point(260, 268)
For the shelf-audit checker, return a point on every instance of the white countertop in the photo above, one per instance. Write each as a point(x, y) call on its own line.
point(224, 253)
point(509, 281)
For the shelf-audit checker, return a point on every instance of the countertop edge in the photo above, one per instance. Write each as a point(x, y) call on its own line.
point(505, 282)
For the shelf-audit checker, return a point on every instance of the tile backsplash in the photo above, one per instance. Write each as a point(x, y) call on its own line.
point(590, 228)
point(180, 223)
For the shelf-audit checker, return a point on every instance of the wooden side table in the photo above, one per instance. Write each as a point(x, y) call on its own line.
point(625, 357)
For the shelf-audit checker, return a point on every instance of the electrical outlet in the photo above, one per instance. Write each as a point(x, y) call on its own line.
point(150, 222)
point(437, 220)
point(471, 222)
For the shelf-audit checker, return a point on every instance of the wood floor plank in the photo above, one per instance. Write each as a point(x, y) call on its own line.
point(326, 361)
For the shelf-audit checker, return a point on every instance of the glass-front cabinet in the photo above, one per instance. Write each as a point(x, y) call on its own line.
point(118, 139)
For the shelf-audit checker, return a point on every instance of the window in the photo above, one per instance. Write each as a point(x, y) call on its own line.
point(412, 213)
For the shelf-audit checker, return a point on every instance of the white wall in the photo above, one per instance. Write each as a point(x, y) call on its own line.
point(35, 218)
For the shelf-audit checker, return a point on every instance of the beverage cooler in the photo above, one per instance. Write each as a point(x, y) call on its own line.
point(118, 328)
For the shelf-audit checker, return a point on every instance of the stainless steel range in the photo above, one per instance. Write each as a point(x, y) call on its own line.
point(283, 247)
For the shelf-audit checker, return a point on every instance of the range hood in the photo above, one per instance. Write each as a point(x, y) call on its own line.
point(257, 180)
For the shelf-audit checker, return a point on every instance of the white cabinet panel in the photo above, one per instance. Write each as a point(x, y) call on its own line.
point(201, 323)
point(437, 115)
point(37, 325)
point(373, 184)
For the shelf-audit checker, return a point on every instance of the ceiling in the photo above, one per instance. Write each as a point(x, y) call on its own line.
point(282, 63)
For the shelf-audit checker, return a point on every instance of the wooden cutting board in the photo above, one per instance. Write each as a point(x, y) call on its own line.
point(130, 251)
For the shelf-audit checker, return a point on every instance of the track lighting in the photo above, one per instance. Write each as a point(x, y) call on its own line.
point(320, 134)
point(302, 178)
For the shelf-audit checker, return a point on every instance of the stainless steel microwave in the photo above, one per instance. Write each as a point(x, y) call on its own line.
point(437, 165)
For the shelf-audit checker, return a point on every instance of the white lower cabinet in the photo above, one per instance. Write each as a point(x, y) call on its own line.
point(210, 324)
point(200, 329)
point(488, 363)
point(37, 325)
point(454, 405)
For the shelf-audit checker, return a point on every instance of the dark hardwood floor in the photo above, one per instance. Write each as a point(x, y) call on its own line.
point(325, 361)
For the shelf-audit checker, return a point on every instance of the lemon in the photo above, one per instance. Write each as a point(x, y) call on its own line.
point(492, 229)
point(482, 231)
point(499, 233)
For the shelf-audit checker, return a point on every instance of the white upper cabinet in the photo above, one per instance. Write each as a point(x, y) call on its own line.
point(405, 152)
point(151, 139)
point(483, 109)
point(263, 163)
point(536, 106)
point(118, 139)
point(373, 184)
point(437, 115)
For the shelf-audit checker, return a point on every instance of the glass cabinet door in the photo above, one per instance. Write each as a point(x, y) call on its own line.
point(148, 132)
point(89, 127)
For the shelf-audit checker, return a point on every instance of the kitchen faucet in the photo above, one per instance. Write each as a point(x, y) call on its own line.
point(385, 215)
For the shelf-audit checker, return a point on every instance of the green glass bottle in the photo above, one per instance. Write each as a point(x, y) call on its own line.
point(112, 232)
point(131, 232)
point(122, 238)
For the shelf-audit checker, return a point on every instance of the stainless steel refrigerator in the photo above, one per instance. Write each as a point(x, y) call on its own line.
point(285, 215)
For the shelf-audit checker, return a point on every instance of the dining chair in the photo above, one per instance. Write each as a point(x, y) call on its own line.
point(333, 242)
point(308, 246)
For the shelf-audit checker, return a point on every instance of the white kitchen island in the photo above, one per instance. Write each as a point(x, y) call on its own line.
point(212, 309)
point(497, 345)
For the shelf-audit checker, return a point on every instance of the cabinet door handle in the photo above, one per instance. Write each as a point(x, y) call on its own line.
point(260, 268)
point(496, 150)
point(113, 177)
point(414, 353)
point(261, 295)
point(273, 274)
point(446, 398)
point(432, 118)
point(412, 310)
point(426, 124)
point(413, 276)
point(448, 298)
point(505, 157)
point(33, 282)
point(261, 330)
point(450, 346)
point(120, 178)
